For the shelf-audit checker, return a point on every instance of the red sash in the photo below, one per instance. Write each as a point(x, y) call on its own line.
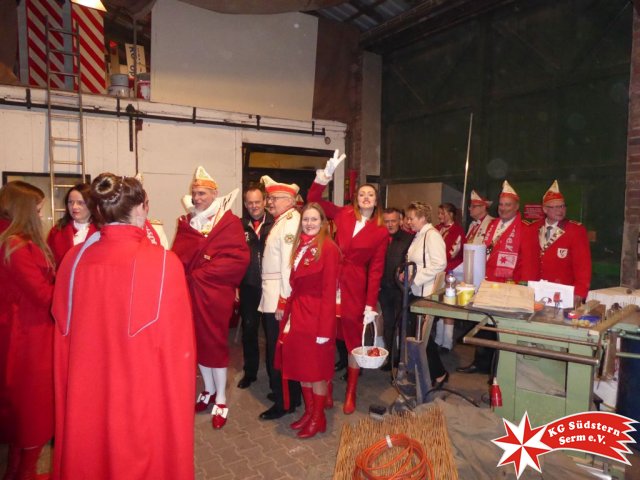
point(504, 248)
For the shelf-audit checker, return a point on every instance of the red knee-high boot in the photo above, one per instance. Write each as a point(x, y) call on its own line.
point(318, 422)
point(28, 465)
point(307, 396)
point(13, 461)
point(329, 403)
point(350, 398)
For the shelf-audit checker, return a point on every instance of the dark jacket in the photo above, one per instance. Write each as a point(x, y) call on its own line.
point(396, 253)
point(253, 277)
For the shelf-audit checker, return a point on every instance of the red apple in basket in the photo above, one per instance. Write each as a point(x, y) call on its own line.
point(374, 352)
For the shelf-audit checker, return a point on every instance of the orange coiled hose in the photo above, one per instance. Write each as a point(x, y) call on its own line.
point(410, 463)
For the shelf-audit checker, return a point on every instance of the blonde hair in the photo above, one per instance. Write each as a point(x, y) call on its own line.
point(377, 212)
point(322, 236)
point(18, 204)
point(422, 210)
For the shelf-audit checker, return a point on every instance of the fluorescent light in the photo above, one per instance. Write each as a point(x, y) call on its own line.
point(96, 4)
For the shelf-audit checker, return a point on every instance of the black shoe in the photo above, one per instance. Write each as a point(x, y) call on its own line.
point(246, 381)
point(468, 369)
point(340, 365)
point(271, 397)
point(275, 412)
point(437, 385)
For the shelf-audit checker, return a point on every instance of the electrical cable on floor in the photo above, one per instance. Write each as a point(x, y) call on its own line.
point(402, 464)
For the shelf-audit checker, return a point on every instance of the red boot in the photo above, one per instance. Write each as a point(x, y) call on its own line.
point(307, 395)
point(28, 463)
point(318, 422)
point(329, 403)
point(13, 461)
point(350, 398)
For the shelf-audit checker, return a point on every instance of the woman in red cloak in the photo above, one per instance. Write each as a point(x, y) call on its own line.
point(76, 225)
point(306, 345)
point(363, 240)
point(26, 329)
point(124, 350)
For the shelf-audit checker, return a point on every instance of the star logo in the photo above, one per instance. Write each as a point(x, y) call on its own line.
point(522, 445)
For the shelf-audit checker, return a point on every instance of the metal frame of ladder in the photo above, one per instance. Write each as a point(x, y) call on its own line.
point(56, 142)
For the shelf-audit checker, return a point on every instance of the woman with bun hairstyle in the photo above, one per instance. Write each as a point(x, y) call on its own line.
point(306, 346)
point(77, 223)
point(124, 349)
point(363, 240)
point(26, 329)
point(454, 239)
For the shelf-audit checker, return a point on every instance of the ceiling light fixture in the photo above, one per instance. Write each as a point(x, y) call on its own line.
point(95, 4)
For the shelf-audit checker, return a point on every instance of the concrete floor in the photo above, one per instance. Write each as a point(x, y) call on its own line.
point(248, 448)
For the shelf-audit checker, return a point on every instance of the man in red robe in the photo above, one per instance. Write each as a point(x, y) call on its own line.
point(211, 245)
point(512, 253)
point(479, 211)
point(565, 256)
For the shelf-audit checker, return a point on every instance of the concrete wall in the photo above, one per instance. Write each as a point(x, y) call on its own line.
point(261, 64)
point(168, 152)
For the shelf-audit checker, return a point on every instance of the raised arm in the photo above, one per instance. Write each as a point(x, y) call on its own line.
point(323, 177)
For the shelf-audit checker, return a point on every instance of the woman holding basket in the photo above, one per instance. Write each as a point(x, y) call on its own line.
point(363, 240)
point(306, 345)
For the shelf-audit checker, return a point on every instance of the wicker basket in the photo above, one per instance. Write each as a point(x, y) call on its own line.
point(360, 353)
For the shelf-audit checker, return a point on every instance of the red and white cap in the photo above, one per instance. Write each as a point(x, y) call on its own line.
point(553, 193)
point(508, 191)
point(203, 179)
point(478, 200)
point(273, 187)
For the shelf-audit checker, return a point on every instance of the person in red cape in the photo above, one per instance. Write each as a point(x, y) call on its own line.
point(454, 239)
point(512, 253)
point(306, 345)
point(77, 223)
point(565, 256)
point(479, 212)
point(211, 245)
point(512, 249)
point(363, 240)
point(124, 350)
point(26, 329)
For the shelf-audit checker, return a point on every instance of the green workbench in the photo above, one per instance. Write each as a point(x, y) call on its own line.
point(541, 345)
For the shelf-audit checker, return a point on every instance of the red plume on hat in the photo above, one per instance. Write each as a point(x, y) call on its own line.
point(553, 193)
point(508, 191)
point(272, 187)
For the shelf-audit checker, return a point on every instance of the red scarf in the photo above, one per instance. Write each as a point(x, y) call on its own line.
point(504, 248)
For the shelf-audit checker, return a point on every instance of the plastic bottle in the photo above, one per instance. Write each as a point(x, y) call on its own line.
point(450, 289)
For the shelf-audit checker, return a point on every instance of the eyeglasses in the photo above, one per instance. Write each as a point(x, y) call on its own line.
point(274, 198)
point(556, 207)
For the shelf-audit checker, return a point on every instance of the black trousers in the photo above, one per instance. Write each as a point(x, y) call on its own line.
point(436, 367)
point(249, 302)
point(391, 306)
point(483, 356)
point(272, 330)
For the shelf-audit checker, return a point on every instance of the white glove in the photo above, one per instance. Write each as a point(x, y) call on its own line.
point(333, 163)
point(321, 340)
point(369, 315)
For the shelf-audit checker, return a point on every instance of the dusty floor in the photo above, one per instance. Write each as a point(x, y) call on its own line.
point(248, 448)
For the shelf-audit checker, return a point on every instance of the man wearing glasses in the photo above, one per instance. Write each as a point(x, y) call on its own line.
point(565, 256)
point(479, 211)
point(276, 268)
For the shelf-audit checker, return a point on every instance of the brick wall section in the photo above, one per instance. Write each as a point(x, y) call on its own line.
point(629, 264)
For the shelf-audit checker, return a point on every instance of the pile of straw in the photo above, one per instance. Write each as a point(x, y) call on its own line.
point(427, 427)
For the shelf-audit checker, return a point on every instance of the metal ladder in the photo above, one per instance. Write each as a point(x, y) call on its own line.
point(72, 106)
